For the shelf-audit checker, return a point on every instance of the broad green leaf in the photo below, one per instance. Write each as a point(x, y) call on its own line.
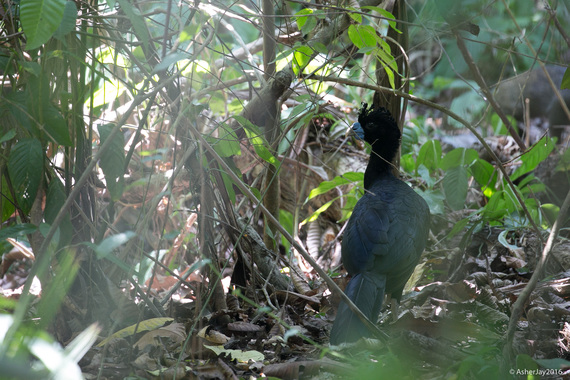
point(40, 19)
point(17, 231)
point(68, 22)
point(326, 186)
point(486, 176)
point(302, 56)
point(8, 136)
point(353, 15)
point(496, 208)
point(434, 199)
point(113, 162)
point(384, 13)
point(551, 212)
point(534, 156)
point(55, 126)
point(455, 185)
point(526, 363)
point(426, 176)
point(409, 139)
point(458, 157)
point(32, 67)
point(25, 166)
point(430, 154)
point(107, 246)
point(306, 20)
point(408, 162)
point(362, 35)
point(168, 61)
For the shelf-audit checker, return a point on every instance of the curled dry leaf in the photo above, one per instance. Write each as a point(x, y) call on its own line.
point(213, 336)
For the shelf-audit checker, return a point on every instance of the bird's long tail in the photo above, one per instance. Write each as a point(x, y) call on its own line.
point(366, 290)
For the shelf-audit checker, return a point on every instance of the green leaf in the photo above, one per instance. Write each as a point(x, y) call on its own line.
point(486, 176)
point(306, 20)
point(113, 162)
point(6, 202)
point(408, 162)
point(384, 13)
point(458, 227)
point(55, 198)
point(40, 19)
point(8, 136)
point(55, 126)
point(138, 22)
point(526, 363)
point(458, 157)
point(301, 58)
point(32, 67)
point(25, 166)
point(430, 154)
point(357, 17)
point(496, 207)
point(455, 185)
point(534, 156)
point(551, 212)
point(68, 22)
point(287, 220)
point(229, 185)
point(434, 199)
point(168, 61)
point(56, 290)
point(556, 363)
point(318, 212)
point(113, 242)
point(326, 186)
point(256, 139)
point(17, 231)
point(362, 35)
point(227, 144)
point(566, 80)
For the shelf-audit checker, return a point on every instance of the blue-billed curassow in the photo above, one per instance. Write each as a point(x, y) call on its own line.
point(386, 234)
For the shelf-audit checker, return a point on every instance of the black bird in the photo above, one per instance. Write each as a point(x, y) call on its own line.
point(386, 233)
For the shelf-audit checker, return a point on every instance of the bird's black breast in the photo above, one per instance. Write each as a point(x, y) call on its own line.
point(387, 232)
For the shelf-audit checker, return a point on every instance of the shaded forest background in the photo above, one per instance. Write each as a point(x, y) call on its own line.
point(176, 177)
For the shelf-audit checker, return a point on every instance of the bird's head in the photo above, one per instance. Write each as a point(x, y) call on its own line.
point(378, 128)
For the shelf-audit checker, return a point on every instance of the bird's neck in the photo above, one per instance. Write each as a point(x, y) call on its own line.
point(379, 165)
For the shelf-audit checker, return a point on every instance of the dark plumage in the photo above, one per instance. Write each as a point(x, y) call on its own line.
point(386, 233)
